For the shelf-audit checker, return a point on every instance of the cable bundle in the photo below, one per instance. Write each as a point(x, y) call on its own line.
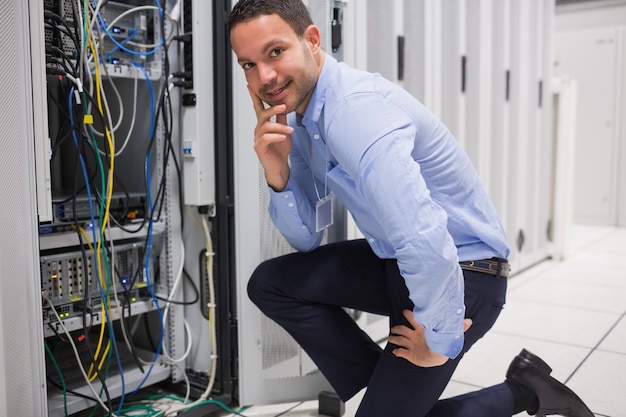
point(81, 49)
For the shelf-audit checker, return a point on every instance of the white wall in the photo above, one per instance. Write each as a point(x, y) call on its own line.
point(589, 46)
point(605, 13)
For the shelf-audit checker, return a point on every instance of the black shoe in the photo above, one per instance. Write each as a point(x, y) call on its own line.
point(554, 397)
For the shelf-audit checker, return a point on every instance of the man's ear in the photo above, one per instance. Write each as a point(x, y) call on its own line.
point(313, 37)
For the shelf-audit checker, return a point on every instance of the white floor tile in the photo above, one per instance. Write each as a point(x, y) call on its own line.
point(601, 384)
point(616, 340)
point(270, 410)
point(581, 296)
point(455, 388)
point(488, 360)
point(518, 279)
point(601, 258)
point(588, 273)
point(612, 244)
point(583, 236)
point(353, 404)
point(566, 325)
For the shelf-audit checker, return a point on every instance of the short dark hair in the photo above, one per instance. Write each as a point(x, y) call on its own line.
point(294, 12)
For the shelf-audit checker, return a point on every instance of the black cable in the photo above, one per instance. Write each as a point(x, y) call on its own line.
point(57, 334)
point(184, 303)
point(69, 391)
point(149, 335)
point(66, 29)
point(79, 111)
point(126, 301)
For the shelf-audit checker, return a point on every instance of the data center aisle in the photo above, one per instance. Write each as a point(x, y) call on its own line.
point(571, 313)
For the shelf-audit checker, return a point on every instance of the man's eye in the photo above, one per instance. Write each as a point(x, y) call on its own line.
point(247, 65)
point(276, 52)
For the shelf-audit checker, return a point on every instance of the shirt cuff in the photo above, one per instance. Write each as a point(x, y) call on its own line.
point(447, 344)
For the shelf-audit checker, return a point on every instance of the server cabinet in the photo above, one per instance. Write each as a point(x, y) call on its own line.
point(530, 150)
point(454, 68)
point(87, 276)
point(489, 85)
point(385, 39)
point(22, 371)
point(272, 367)
point(500, 108)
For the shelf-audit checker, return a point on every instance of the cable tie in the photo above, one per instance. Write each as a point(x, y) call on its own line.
point(77, 96)
point(211, 305)
point(213, 356)
point(175, 12)
point(77, 81)
point(207, 254)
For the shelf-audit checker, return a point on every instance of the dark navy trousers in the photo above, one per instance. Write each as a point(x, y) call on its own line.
point(306, 294)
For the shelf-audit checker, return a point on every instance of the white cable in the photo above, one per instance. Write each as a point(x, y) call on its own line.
point(209, 253)
point(119, 100)
point(134, 116)
point(177, 282)
point(126, 13)
point(77, 356)
point(165, 354)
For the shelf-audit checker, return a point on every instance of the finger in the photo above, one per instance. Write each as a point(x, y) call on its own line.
point(401, 353)
point(270, 138)
point(467, 323)
point(256, 102)
point(401, 330)
point(399, 341)
point(270, 128)
point(408, 315)
point(281, 118)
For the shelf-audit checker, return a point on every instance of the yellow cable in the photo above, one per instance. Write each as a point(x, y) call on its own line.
point(90, 373)
point(86, 237)
point(108, 197)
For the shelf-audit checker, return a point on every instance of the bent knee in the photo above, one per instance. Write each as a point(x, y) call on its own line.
point(260, 284)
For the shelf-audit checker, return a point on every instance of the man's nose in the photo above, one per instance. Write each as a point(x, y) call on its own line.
point(267, 73)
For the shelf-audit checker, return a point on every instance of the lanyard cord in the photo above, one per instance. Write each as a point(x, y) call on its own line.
point(325, 179)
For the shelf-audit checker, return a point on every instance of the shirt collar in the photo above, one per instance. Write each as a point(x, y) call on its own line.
point(314, 109)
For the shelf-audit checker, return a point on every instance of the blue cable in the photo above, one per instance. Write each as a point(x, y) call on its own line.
point(122, 47)
point(150, 229)
point(93, 231)
point(131, 34)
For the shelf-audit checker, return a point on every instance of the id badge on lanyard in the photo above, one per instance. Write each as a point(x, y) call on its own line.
point(324, 213)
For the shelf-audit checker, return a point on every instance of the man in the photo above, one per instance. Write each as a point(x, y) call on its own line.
point(434, 257)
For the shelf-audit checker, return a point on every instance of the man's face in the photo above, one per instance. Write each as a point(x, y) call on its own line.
point(279, 67)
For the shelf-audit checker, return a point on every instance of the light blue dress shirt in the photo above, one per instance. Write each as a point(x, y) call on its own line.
point(411, 189)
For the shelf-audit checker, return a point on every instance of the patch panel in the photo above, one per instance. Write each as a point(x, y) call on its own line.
point(135, 32)
point(64, 275)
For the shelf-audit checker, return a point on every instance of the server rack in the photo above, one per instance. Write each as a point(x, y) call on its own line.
point(150, 255)
point(251, 367)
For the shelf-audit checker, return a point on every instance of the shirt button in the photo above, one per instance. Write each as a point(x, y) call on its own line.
point(316, 136)
point(459, 311)
point(286, 196)
point(290, 204)
point(371, 240)
point(458, 336)
point(303, 227)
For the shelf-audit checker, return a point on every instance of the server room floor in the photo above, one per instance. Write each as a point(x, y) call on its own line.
point(571, 313)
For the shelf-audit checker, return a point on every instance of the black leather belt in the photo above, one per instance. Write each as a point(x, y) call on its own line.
point(495, 266)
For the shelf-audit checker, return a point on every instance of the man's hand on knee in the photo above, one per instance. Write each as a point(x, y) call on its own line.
point(412, 344)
